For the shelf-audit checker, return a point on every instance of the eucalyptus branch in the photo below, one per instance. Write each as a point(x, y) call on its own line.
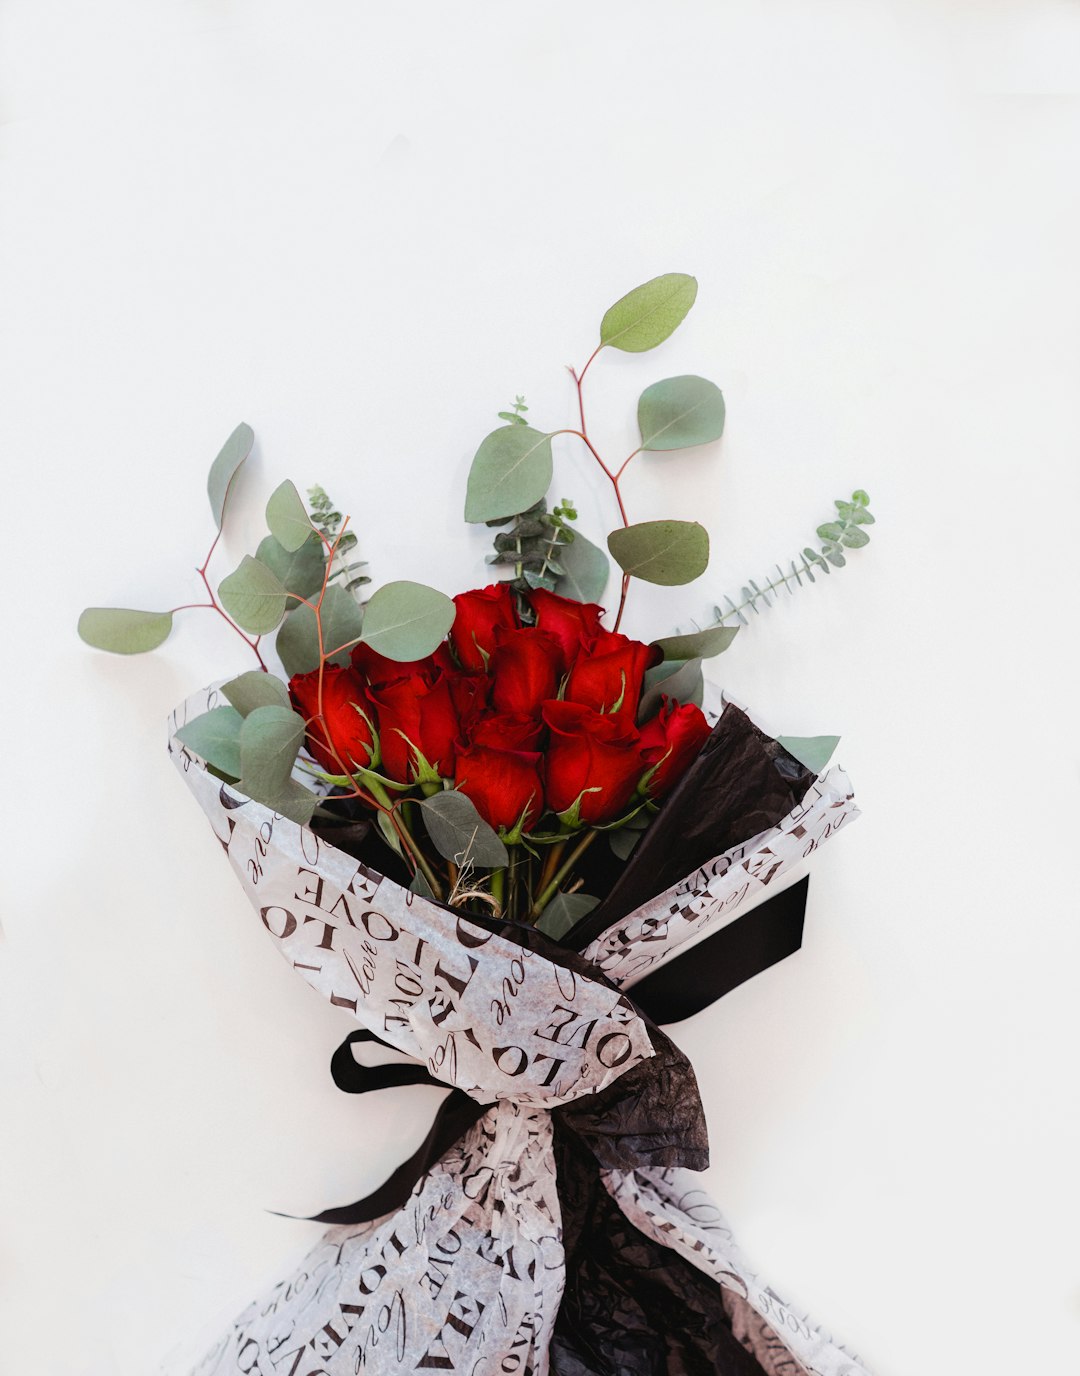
point(846, 532)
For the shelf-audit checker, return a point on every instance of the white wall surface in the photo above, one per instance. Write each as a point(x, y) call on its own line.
point(363, 228)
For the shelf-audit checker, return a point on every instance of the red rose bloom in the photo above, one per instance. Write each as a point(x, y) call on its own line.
point(672, 740)
point(502, 731)
point(589, 750)
point(526, 667)
point(416, 715)
point(377, 669)
point(610, 671)
point(478, 614)
point(469, 694)
point(503, 784)
point(342, 726)
point(573, 624)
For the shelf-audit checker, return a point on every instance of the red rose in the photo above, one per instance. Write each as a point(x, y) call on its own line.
point(377, 669)
point(469, 694)
point(502, 731)
point(526, 667)
point(478, 614)
point(610, 671)
point(590, 751)
point(503, 784)
point(342, 726)
point(574, 624)
point(671, 741)
point(416, 716)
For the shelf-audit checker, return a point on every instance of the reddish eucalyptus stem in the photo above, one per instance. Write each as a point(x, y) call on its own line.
point(214, 605)
point(612, 477)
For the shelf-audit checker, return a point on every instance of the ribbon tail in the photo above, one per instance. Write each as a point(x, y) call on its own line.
point(692, 981)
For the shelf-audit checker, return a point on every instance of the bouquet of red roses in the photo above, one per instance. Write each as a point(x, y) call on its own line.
point(413, 806)
point(543, 725)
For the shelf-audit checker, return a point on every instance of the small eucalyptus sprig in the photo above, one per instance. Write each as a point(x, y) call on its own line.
point(534, 544)
point(846, 532)
point(327, 521)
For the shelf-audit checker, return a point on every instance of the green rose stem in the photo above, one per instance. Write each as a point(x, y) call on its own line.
point(498, 888)
point(549, 893)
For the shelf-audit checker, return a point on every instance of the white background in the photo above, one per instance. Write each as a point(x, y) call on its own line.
point(363, 228)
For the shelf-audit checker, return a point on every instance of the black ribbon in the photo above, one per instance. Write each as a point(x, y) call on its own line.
point(651, 1116)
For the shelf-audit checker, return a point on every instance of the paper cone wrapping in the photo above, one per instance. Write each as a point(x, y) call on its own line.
point(469, 1275)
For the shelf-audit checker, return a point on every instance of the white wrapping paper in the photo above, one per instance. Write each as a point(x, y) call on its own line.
point(468, 1275)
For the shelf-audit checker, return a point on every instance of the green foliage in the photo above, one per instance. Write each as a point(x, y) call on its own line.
point(516, 414)
point(215, 737)
point(646, 316)
point(122, 631)
point(287, 517)
point(538, 546)
point(814, 752)
point(327, 519)
point(255, 689)
point(253, 596)
point(406, 620)
point(846, 532)
point(510, 472)
point(665, 552)
point(700, 644)
point(459, 833)
point(298, 640)
point(681, 681)
point(225, 468)
point(680, 412)
point(270, 740)
point(299, 571)
point(565, 911)
point(585, 570)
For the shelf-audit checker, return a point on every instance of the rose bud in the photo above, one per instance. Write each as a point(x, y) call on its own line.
point(503, 784)
point(526, 667)
point(504, 731)
point(574, 624)
point(590, 751)
point(478, 614)
point(345, 724)
point(610, 673)
point(671, 741)
point(416, 718)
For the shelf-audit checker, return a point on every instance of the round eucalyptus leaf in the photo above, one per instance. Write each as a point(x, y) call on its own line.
point(665, 552)
point(814, 752)
point(287, 517)
point(406, 620)
point(510, 472)
point(714, 640)
point(680, 682)
point(300, 571)
point(680, 412)
point(585, 570)
point(224, 469)
point(647, 315)
point(564, 911)
point(459, 833)
point(253, 596)
point(297, 642)
point(122, 631)
point(215, 737)
point(270, 740)
point(255, 689)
